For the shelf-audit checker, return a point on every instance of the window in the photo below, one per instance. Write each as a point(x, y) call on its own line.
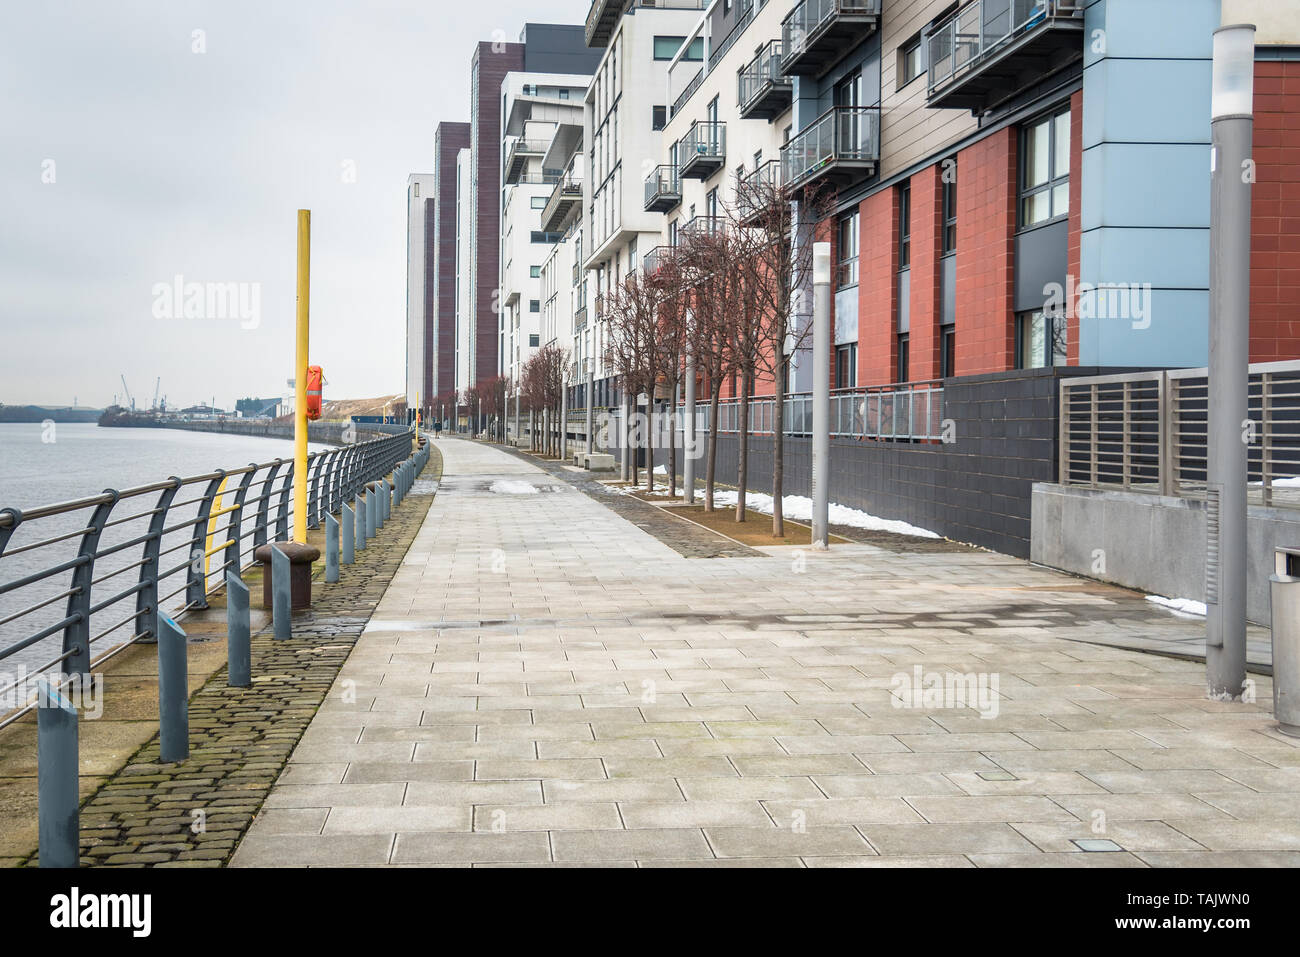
point(534, 341)
point(696, 52)
point(564, 94)
point(848, 243)
point(534, 305)
point(949, 210)
point(1045, 169)
point(539, 202)
point(417, 190)
point(666, 47)
point(904, 229)
point(1041, 341)
point(846, 366)
point(535, 272)
point(910, 65)
point(947, 352)
point(904, 359)
point(550, 239)
point(848, 92)
point(658, 117)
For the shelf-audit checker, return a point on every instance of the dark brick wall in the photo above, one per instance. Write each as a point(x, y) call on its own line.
point(449, 140)
point(976, 490)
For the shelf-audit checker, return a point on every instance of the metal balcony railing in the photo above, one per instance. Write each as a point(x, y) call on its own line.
point(816, 33)
point(984, 30)
point(910, 412)
point(703, 150)
point(564, 201)
point(521, 150)
point(655, 258)
point(1148, 432)
point(701, 226)
point(758, 188)
point(663, 189)
point(844, 140)
point(763, 90)
point(580, 319)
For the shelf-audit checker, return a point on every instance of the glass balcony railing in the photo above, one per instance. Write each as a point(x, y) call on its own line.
point(703, 150)
point(758, 190)
point(1045, 34)
point(765, 91)
point(663, 190)
point(817, 33)
point(844, 143)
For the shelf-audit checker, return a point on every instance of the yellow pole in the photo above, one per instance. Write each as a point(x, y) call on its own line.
point(300, 379)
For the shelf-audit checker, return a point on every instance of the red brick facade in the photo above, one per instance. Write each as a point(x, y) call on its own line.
point(926, 300)
point(1275, 241)
point(878, 288)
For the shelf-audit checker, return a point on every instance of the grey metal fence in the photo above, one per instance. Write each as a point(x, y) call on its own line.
point(1147, 432)
point(94, 574)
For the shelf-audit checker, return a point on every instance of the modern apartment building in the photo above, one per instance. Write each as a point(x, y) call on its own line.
point(1004, 198)
point(626, 110)
point(421, 207)
point(541, 193)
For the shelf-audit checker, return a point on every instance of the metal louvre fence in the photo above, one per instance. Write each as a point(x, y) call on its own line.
point(1147, 432)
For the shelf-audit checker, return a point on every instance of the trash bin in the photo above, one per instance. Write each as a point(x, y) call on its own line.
point(1286, 640)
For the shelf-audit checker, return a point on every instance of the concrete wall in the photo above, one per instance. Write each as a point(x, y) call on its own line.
point(1148, 542)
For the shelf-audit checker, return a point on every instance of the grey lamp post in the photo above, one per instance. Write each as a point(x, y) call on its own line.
point(688, 431)
point(591, 405)
point(1231, 133)
point(821, 359)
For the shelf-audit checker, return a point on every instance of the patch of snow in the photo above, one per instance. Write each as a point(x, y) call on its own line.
point(507, 487)
point(799, 509)
point(1180, 606)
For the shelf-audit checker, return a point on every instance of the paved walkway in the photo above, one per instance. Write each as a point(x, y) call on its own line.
point(546, 683)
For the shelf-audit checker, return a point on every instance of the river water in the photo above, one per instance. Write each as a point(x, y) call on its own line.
point(41, 465)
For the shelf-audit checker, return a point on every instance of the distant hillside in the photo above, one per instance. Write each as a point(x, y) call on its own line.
point(42, 413)
point(342, 409)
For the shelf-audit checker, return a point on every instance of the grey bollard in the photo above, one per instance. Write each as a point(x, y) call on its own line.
point(281, 594)
point(58, 801)
point(331, 549)
point(1285, 588)
point(361, 522)
point(372, 513)
point(379, 505)
point(173, 693)
point(386, 491)
point(239, 654)
point(347, 533)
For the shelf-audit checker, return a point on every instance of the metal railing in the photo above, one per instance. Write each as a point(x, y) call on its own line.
point(1147, 432)
point(910, 412)
point(757, 189)
point(743, 19)
point(700, 226)
point(706, 140)
point(761, 73)
point(843, 134)
point(656, 258)
point(981, 28)
point(804, 25)
point(95, 573)
point(663, 186)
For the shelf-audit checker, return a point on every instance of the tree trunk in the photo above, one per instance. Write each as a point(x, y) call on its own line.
point(711, 467)
point(778, 448)
point(672, 446)
point(742, 478)
point(650, 448)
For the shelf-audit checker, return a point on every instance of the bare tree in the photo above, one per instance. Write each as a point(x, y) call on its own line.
point(630, 310)
point(777, 225)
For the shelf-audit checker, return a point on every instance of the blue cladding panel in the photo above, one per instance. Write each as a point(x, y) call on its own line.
point(1169, 258)
point(1146, 184)
point(1147, 101)
point(1177, 333)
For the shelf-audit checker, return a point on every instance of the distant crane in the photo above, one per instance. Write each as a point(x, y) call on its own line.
point(156, 389)
point(127, 389)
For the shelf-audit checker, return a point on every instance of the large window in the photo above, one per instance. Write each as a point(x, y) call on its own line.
point(666, 47)
point(1045, 169)
point(848, 244)
point(904, 357)
point(1041, 341)
point(947, 352)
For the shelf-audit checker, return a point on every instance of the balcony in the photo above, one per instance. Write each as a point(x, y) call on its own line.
point(765, 92)
point(663, 190)
point(703, 150)
point(700, 227)
point(601, 20)
point(563, 206)
point(842, 146)
point(656, 258)
point(991, 49)
point(517, 157)
point(580, 319)
point(757, 191)
point(817, 34)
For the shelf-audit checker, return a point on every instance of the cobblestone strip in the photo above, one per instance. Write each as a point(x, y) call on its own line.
point(193, 814)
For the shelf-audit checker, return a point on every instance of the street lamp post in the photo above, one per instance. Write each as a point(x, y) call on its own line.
point(591, 405)
point(1231, 134)
point(821, 358)
point(688, 430)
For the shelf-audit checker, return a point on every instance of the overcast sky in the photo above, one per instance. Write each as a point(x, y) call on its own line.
point(167, 162)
